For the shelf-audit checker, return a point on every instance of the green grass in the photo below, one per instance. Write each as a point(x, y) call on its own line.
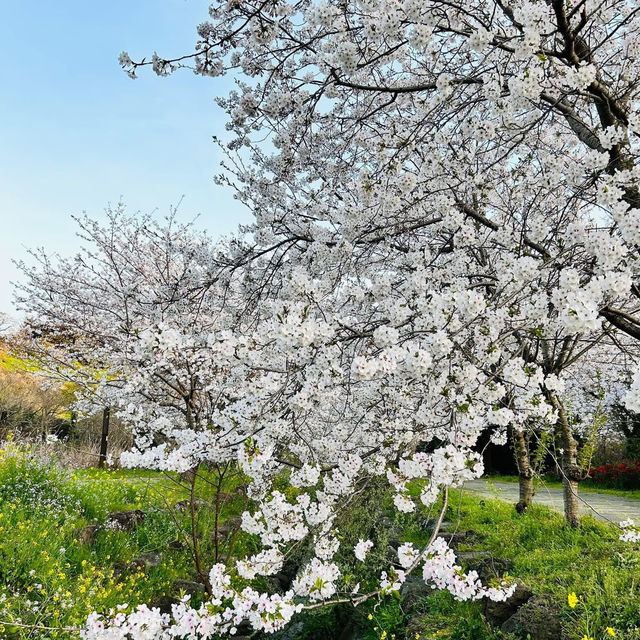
point(545, 481)
point(48, 578)
point(548, 557)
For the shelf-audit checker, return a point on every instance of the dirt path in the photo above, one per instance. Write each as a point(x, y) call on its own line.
point(601, 505)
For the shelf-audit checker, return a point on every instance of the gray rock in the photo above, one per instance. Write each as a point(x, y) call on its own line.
point(293, 631)
point(243, 630)
point(492, 568)
point(454, 538)
point(88, 535)
point(147, 560)
point(471, 556)
point(538, 619)
point(184, 506)
point(227, 527)
point(125, 520)
point(498, 613)
point(283, 580)
point(164, 603)
point(412, 591)
point(485, 564)
point(190, 587)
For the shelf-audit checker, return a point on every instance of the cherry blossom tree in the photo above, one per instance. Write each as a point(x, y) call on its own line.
point(481, 124)
point(124, 323)
point(315, 384)
point(5, 325)
point(446, 218)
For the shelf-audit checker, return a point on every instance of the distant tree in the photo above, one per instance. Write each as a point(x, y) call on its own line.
point(5, 324)
point(29, 404)
point(58, 356)
point(628, 422)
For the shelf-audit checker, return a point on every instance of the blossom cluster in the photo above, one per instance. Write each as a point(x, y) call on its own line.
point(631, 532)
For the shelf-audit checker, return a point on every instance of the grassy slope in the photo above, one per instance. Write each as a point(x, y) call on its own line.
point(546, 556)
point(48, 578)
point(10, 362)
point(551, 558)
point(41, 511)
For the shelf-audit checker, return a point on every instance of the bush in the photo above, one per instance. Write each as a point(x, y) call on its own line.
point(26, 480)
point(616, 476)
point(46, 576)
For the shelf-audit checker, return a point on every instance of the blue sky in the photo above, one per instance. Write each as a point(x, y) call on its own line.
point(76, 133)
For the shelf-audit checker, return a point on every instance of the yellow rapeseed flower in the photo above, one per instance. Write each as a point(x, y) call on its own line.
point(611, 632)
point(572, 598)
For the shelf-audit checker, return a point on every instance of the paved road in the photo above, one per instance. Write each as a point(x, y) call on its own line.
point(601, 505)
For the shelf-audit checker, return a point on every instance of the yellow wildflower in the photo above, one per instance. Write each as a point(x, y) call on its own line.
point(611, 632)
point(572, 598)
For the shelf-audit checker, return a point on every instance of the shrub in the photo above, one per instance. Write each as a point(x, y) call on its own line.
point(616, 476)
point(26, 480)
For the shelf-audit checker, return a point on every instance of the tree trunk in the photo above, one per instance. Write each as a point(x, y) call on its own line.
point(43, 424)
point(73, 423)
point(571, 472)
point(570, 495)
point(104, 438)
point(525, 472)
point(527, 491)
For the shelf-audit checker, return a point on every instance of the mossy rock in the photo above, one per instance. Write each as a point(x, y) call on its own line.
point(538, 619)
point(497, 613)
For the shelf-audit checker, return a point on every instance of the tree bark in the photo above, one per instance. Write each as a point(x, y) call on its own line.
point(104, 438)
point(525, 472)
point(571, 472)
point(570, 495)
point(43, 424)
point(73, 423)
point(527, 491)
